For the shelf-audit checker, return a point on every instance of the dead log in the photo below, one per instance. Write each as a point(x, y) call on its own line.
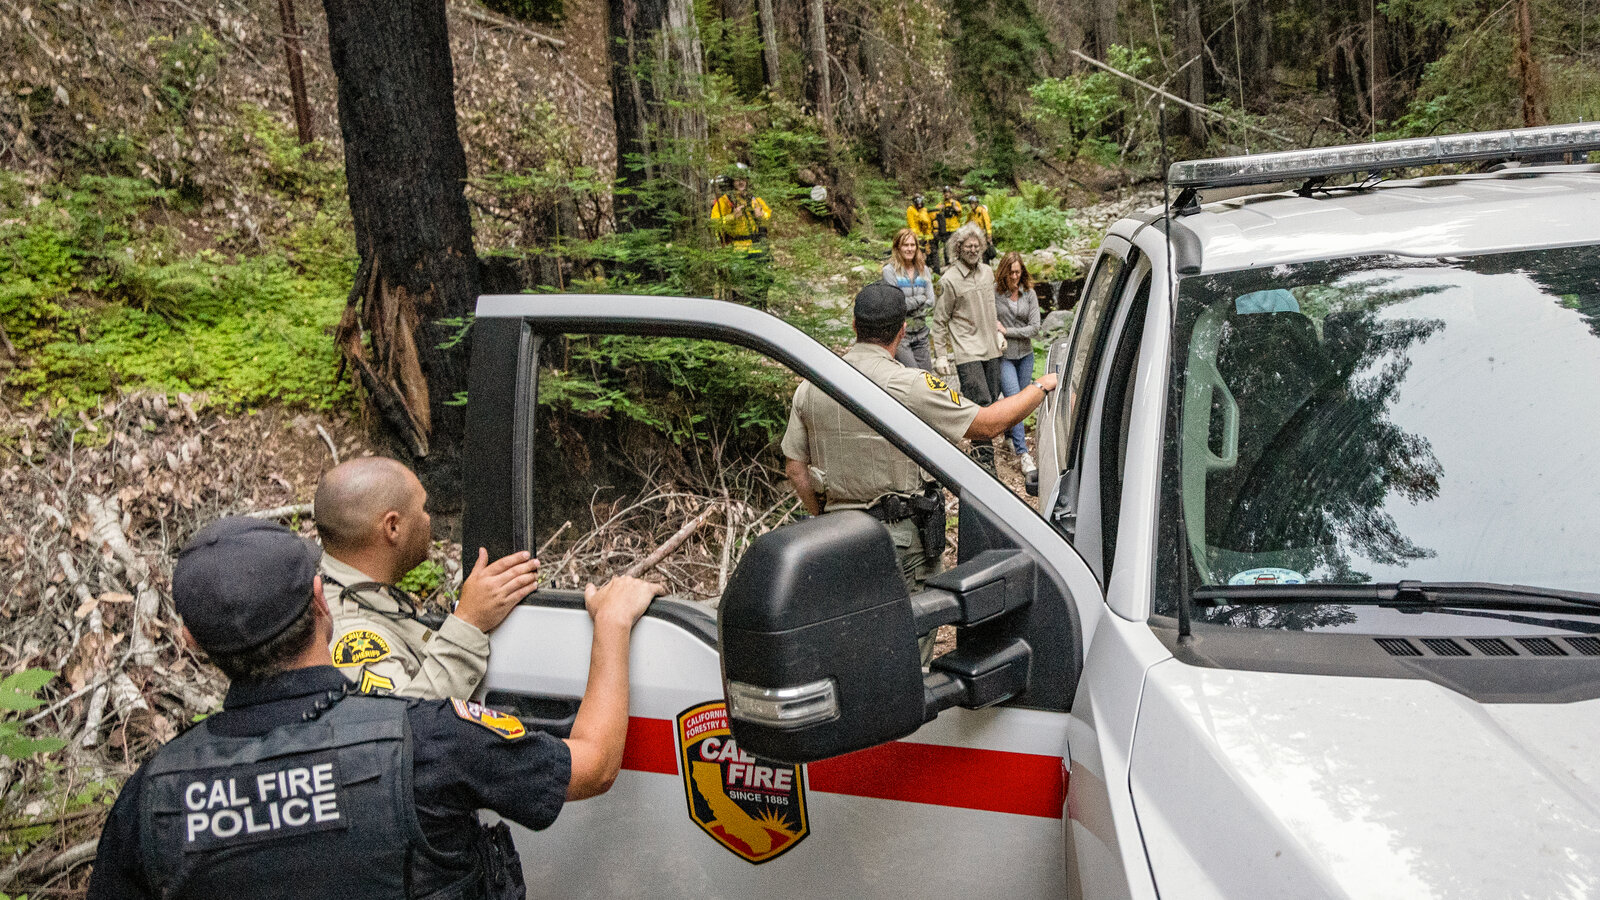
point(671, 544)
point(105, 517)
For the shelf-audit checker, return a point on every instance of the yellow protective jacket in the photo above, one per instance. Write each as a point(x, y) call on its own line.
point(980, 214)
point(739, 230)
point(920, 221)
point(952, 221)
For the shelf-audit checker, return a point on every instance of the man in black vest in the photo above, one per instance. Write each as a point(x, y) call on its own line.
point(301, 787)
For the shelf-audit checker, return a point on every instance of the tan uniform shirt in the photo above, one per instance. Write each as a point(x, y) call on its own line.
point(852, 464)
point(964, 315)
point(396, 653)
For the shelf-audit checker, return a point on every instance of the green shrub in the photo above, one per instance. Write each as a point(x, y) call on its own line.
point(686, 389)
point(18, 695)
point(1079, 111)
point(95, 299)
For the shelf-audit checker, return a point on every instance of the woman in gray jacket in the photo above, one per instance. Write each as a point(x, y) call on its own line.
point(1017, 307)
point(908, 271)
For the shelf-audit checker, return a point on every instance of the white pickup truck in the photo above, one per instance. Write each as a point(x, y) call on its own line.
point(1310, 607)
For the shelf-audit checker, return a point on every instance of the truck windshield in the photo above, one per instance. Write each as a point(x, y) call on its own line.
point(1385, 419)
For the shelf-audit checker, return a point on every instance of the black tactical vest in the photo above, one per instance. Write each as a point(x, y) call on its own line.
point(313, 809)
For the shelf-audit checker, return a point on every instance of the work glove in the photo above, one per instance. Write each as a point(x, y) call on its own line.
point(941, 365)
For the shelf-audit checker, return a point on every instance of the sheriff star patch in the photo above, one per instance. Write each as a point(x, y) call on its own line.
point(938, 386)
point(508, 727)
point(359, 647)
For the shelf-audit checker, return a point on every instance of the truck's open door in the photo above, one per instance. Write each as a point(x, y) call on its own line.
point(971, 803)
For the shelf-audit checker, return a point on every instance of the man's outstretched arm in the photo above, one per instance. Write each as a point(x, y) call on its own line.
point(601, 727)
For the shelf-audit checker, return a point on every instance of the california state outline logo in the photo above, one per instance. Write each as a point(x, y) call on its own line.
point(752, 806)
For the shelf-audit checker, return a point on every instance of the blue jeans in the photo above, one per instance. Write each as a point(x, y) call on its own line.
point(1014, 374)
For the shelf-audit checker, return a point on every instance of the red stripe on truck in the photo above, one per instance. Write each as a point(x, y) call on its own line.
point(650, 747)
point(1023, 784)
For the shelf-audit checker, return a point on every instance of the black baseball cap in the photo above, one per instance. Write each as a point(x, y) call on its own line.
point(240, 582)
point(880, 304)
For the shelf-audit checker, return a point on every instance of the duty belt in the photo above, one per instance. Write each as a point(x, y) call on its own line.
point(891, 508)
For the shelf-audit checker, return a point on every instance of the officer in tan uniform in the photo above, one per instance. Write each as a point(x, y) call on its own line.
point(835, 461)
point(374, 526)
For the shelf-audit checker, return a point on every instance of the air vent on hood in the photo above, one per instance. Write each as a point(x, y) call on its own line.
point(1531, 646)
point(1541, 647)
point(1492, 646)
point(1398, 647)
point(1588, 646)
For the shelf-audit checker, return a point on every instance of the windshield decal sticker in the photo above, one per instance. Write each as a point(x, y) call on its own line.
point(1268, 575)
point(754, 807)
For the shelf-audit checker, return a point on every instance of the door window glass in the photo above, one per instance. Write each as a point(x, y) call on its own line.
point(1088, 342)
point(1115, 413)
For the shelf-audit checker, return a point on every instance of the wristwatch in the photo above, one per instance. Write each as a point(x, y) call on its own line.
point(1041, 387)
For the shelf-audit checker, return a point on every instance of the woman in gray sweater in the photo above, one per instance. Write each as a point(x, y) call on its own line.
point(1017, 307)
point(908, 271)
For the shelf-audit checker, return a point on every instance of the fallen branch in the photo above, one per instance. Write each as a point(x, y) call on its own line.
point(105, 517)
point(75, 855)
point(283, 512)
point(480, 16)
point(672, 543)
point(97, 703)
point(1203, 110)
point(328, 439)
point(552, 539)
point(55, 820)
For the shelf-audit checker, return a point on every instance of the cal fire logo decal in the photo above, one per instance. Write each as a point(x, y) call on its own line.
point(752, 806)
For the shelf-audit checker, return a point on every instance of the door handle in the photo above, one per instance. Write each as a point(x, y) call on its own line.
point(552, 715)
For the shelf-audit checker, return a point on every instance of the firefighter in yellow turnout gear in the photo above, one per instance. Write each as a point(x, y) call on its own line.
point(920, 221)
point(946, 219)
point(740, 219)
point(978, 214)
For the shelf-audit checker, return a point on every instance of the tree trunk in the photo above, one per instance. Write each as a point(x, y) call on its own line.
point(1064, 30)
point(769, 43)
point(1105, 28)
point(1188, 40)
point(823, 100)
point(656, 74)
point(1528, 72)
point(405, 168)
point(297, 72)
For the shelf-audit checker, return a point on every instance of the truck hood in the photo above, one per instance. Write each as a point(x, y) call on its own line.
point(1254, 784)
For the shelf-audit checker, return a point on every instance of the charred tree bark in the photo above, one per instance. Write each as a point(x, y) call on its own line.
point(1528, 72)
point(656, 71)
point(297, 72)
point(406, 168)
point(1189, 42)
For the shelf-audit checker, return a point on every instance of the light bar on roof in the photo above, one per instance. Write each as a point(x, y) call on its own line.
point(1292, 165)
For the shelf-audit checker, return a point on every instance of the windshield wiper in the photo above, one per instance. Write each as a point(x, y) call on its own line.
point(1398, 593)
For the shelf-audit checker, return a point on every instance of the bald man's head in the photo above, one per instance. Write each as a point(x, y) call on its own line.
point(373, 505)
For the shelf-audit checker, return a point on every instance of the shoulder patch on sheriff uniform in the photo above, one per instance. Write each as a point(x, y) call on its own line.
point(938, 386)
point(359, 647)
point(507, 726)
point(372, 682)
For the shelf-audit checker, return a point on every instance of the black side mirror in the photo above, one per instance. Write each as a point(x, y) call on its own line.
point(819, 642)
point(819, 639)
